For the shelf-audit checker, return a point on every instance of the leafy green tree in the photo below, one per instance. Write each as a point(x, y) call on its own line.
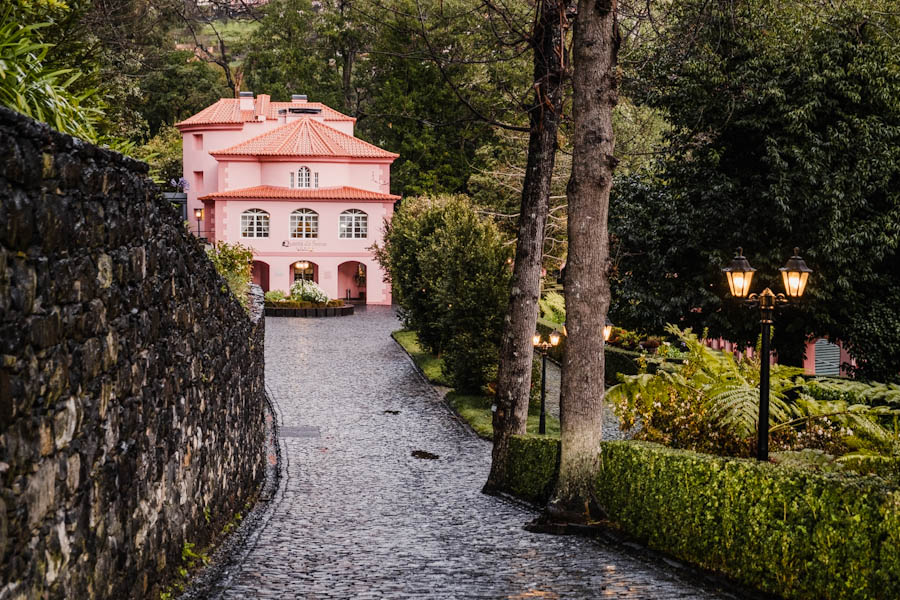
point(163, 152)
point(177, 88)
point(786, 132)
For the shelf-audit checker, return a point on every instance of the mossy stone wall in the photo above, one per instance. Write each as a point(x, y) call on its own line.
point(132, 405)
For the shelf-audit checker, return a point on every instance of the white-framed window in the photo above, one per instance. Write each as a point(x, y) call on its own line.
point(353, 224)
point(304, 223)
point(303, 177)
point(255, 223)
point(317, 179)
point(292, 180)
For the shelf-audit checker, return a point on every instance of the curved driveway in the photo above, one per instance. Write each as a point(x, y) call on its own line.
point(358, 516)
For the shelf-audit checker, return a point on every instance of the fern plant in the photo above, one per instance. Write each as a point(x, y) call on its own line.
point(711, 404)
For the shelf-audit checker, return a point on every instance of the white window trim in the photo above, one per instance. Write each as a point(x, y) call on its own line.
point(302, 215)
point(304, 176)
point(256, 222)
point(353, 224)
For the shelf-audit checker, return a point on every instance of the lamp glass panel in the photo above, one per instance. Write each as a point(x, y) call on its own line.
point(554, 338)
point(739, 282)
point(794, 282)
point(536, 339)
point(607, 331)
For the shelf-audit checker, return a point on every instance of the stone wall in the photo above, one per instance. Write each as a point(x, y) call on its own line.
point(132, 409)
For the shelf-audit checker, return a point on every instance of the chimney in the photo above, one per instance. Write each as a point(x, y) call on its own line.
point(246, 100)
point(298, 98)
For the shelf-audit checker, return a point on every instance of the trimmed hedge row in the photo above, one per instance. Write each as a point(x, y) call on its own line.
point(792, 532)
point(533, 465)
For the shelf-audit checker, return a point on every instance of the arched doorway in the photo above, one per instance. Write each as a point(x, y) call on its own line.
point(259, 272)
point(352, 280)
point(305, 269)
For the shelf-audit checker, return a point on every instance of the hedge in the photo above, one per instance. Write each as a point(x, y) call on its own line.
point(792, 532)
point(533, 464)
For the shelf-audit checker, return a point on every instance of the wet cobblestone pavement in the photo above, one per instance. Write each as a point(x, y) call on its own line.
point(357, 515)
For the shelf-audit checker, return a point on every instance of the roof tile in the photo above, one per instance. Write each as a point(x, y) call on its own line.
point(271, 192)
point(228, 111)
point(305, 137)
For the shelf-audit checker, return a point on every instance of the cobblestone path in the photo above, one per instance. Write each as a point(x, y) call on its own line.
point(358, 516)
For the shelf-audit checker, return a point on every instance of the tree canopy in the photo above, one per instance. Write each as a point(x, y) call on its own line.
point(785, 131)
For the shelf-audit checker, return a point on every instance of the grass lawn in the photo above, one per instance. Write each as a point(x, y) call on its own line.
point(475, 409)
point(431, 365)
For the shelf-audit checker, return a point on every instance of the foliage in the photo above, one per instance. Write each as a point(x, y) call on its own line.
point(232, 261)
point(785, 132)
point(178, 86)
point(531, 467)
point(553, 307)
point(450, 276)
point(289, 303)
point(371, 62)
point(31, 87)
point(711, 404)
point(792, 532)
point(275, 296)
point(308, 291)
point(164, 155)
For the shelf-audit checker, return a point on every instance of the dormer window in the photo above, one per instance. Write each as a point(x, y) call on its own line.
point(303, 176)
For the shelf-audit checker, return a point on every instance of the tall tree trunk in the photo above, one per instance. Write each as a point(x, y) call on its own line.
point(516, 351)
point(594, 81)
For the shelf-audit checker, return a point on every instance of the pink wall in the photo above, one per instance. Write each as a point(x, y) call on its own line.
point(328, 252)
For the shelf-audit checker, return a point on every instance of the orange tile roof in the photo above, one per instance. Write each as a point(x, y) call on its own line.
point(305, 137)
point(271, 192)
point(228, 111)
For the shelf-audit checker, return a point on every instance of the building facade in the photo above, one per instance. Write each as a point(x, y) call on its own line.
point(289, 180)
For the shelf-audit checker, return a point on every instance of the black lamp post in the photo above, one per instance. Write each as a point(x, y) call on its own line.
point(542, 347)
point(739, 275)
point(198, 214)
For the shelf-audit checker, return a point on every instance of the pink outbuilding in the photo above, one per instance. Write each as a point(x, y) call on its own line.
point(290, 180)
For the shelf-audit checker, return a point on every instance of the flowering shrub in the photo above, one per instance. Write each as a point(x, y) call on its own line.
point(307, 291)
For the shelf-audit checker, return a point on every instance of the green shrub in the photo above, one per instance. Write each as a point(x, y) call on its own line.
point(233, 262)
point(788, 531)
point(533, 465)
point(450, 273)
point(275, 296)
point(796, 533)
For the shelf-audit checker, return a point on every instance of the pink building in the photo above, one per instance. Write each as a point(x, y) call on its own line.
point(289, 180)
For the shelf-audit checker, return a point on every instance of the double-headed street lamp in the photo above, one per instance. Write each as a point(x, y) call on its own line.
point(739, 275)
point(542, 347)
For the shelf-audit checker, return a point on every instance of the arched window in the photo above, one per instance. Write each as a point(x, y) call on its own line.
point(303, 177)
point(255, 223)
point(304, 223)
point(354, 224)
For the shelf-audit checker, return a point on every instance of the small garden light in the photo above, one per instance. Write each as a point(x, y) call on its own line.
point(739, 275)
point(607, 330)
point(542, 347)
point(198, 214)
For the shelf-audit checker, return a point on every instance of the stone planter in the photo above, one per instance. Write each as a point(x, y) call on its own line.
point(331, 311)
